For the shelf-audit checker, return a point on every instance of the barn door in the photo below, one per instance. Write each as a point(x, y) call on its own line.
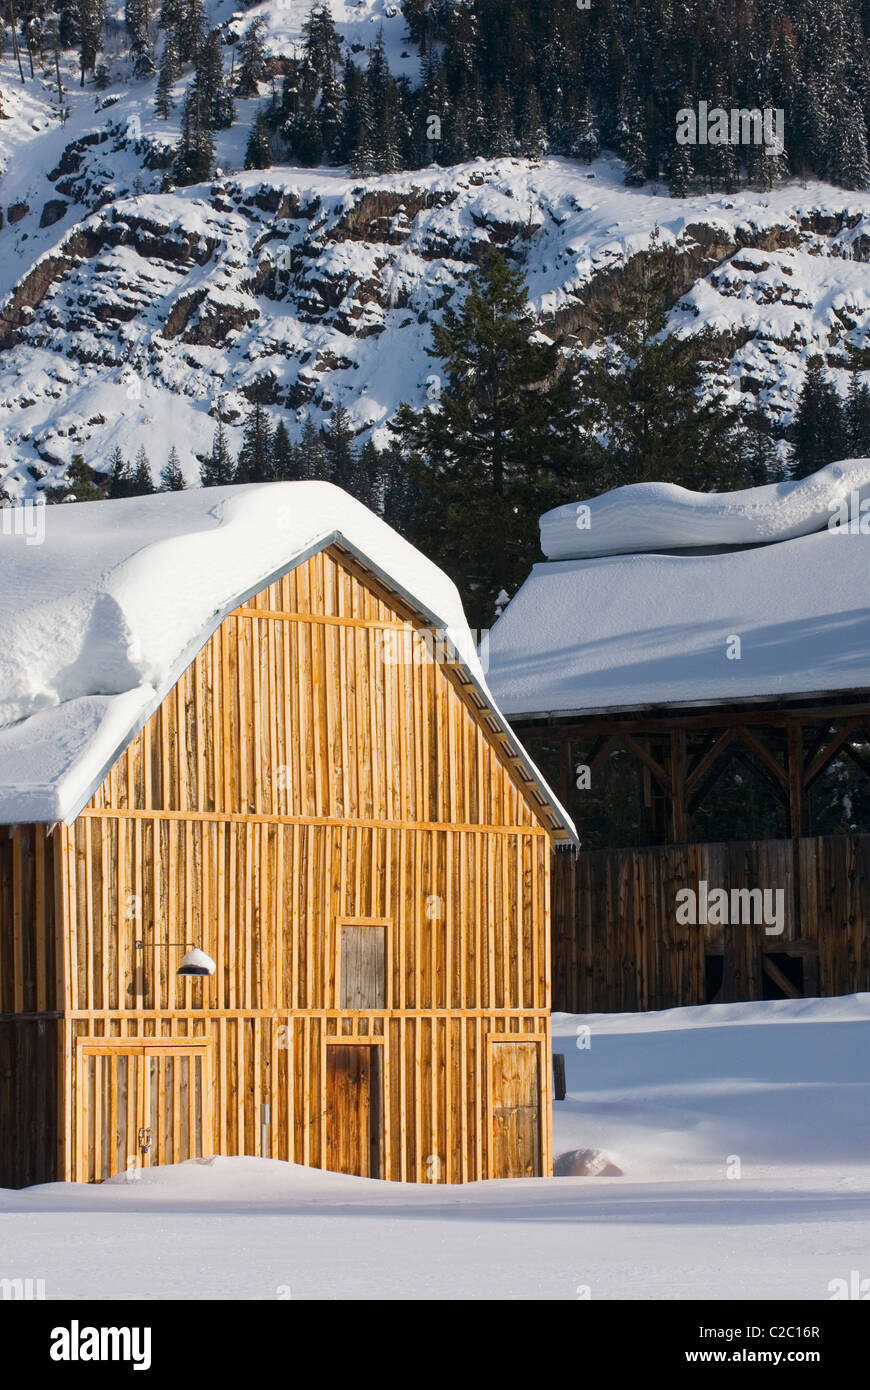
point(108, 1113)
point(353, 1109)
point(515, 1109)
point(174, 1105)
point(139, 1104)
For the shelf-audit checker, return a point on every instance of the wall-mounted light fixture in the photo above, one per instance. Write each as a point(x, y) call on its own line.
point(193, 962)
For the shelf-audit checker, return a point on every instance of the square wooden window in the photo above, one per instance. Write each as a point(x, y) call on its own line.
point(363, 966)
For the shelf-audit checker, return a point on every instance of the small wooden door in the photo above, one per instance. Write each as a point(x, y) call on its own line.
point(139, 1104)
point(515, 1105)
point(353, 1109)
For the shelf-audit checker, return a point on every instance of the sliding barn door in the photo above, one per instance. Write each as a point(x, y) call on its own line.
point(353, 1109)
point(515, 1109)
point(139, 1104)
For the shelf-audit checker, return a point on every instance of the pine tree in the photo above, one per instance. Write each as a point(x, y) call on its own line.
point(339, 450)
point(386, 110)
point(488, 447)
point(633, 145)
point(102, 77)
point(819, 431)
point(91, 14)
point(190, 30)
point(251, 66)
point(171, 476)
point(255, 456)
point(80, 484)
point(312, 455)
point(142, 481)
point(847, 161)
point(585, 143)
point(137, 17)
point(359, 140)
point(218, 468)
point(679, 170)
point(120, 475)
point(285, 461)
point(858, 419)
point(258, 154)
point(533, 142)
point(646, 410)
point(170, 71)
point(209, 82)
point(195, 153)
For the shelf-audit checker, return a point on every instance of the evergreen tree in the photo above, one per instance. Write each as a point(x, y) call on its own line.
point(170, 14)
point(102, 77)
point(386, 110)
point(858, 419)
point(585, 144)
point(251, 67)
point(80, 484)
point(646, 409)
point(218, 468)
point(170, 71)
point(171, 476)
point(258, 154)
point(488, 447)
point(819, 431)
point(285, 460)
point(137, 17)
point(190, 30)
point(210, 85)
point(195, 153)
point(359, 139)
point(142, 481)
point(847, 162)
point(312, 455)
point(90, 21)
point(255, 457)
point(120, 475)
point(533, 142)
point(341, 461)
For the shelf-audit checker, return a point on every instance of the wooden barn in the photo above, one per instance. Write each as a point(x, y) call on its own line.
point(692, 674)
point(244, 731)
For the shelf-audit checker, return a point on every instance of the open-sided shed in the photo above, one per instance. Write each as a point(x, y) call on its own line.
point(692, 673)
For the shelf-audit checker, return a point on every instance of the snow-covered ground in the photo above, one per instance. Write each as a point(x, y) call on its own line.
point(777, 1092)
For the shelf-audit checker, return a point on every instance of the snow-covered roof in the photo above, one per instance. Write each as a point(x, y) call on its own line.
point(101, 614)
point(645, 588)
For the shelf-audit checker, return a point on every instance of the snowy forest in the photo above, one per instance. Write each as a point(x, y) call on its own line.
point(525, 77)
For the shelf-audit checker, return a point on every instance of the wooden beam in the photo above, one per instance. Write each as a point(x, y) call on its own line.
point(776, 770)
point(828, 752)
point(773, 972)
point(710, 758)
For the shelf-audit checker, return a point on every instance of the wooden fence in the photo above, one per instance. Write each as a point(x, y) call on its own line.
point(618, 944)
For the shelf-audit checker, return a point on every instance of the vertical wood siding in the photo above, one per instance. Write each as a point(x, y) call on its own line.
point(618, 946)
point(312, 767)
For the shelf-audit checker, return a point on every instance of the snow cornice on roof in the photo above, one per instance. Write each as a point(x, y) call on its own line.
point(700, 600)
point(99, 622)
point(664, 517)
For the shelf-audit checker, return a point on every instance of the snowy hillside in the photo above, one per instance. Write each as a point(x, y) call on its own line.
point(131, 316)
point(741, 1129)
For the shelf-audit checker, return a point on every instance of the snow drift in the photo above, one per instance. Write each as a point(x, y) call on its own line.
point(656, 516)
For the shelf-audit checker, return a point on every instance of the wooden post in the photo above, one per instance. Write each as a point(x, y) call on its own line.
point(797, 815)
point(678, 785)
